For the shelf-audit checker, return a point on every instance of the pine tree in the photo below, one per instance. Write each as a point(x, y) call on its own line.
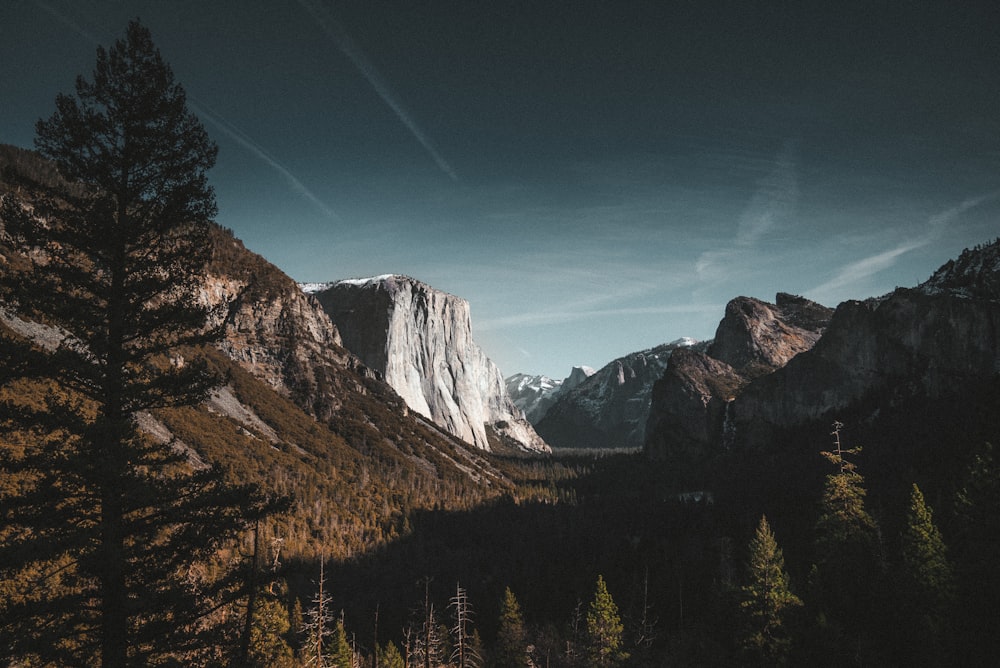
point(604, 629)
point(766, 599)
point(928, 582)
point(341, 653)
point(389, 656)
point(125, 525)
point(976, 552)
point(268, 648)
point(512, 638)
point(847, 570)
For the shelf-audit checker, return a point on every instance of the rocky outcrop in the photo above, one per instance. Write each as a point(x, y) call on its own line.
point(756, 337)
point(275, 331)
point(535, 395)
point(610, 408)
point(915, 344)
point(420, 341)
point(930, 341)
point(690, 407)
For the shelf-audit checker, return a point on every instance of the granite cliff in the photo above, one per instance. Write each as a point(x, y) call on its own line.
point(419, 340)
point(690, 405)
point(930, 341)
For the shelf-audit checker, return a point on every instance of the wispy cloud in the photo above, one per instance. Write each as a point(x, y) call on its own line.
point(773, 204)
point(68, 22)
point(248, 143)
point(555, 317)
point(356, 55)
point(859, 271)
point(212, 117)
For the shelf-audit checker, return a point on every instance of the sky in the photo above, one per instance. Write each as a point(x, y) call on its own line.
point(595, 178)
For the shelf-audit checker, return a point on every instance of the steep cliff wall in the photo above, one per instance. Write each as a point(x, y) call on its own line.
point(690, 409)
point(420, 340)
point(911, 342)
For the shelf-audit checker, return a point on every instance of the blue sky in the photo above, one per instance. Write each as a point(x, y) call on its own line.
point(595, 178)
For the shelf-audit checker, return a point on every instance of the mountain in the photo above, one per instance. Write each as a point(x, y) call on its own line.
point(913, 374)
point(300, 414)
point(535, 395)
point(419, 340)
point(931, 341)
point(690, 403)
point(609, 408)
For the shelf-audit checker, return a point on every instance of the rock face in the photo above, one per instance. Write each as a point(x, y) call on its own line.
point(610, 408)
point(535, 395)
point(690, 406)
point(276, 332)
point(420, 341)
point(928, 341)
point(776, 367)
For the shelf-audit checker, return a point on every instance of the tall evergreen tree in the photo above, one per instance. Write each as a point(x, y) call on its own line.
point(847, 570)
point(927, 582)
point(512, 638)
point(341, 653)
point(976, 553)
point(117, 523)
point(766, 599)
point(604, 629)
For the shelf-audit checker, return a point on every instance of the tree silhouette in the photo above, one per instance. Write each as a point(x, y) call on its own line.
point(119, 525)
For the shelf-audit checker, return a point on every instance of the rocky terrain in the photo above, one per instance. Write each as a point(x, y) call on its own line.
point(776, 367)
point(419, 340)
point(930, 341)
point(610, 408)
point(690, 404)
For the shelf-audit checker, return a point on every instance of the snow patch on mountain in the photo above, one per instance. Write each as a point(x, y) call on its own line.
point(536, 394)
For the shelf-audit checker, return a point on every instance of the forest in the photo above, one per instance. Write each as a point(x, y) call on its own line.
point(848, 541)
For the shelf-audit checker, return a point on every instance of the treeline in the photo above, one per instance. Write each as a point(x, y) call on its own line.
point(689, 584)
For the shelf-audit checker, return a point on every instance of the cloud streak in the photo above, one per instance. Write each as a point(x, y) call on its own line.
point(357, 56)
point(67, 21)
point(215, 119)
point(248, 143)
point(565, 316)
point(862, 269)
point(774, 202)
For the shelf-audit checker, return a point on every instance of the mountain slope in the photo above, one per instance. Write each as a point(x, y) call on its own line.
point(300, 415)
point(610, 408)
